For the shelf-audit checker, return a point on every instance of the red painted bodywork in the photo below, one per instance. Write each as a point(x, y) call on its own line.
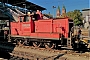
point(47, 29)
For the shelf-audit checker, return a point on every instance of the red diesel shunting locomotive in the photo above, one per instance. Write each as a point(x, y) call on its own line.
point(41, 31)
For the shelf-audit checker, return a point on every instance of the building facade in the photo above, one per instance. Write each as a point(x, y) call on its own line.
point(86, 16)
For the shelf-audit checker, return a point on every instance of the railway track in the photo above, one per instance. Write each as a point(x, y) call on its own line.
point(33, 53)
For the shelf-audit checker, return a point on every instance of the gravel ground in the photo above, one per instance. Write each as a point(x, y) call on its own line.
point(48, 54)
point(72, 57)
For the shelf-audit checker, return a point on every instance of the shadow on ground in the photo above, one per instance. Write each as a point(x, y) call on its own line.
point(4, 55)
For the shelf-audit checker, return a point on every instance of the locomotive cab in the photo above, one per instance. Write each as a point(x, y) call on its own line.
point(24, 26)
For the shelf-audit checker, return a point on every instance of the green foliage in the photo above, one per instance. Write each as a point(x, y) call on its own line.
point(70, 14)
point(76, 15)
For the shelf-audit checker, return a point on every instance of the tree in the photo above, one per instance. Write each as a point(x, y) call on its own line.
point(70, 14)
point(76, 15)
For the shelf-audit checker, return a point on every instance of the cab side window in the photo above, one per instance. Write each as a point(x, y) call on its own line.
point(26, 19)
point(20, 19)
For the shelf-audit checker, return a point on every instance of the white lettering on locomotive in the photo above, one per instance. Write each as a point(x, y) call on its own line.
point(26, 25)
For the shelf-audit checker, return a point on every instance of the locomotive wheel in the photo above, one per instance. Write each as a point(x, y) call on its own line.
point(49, 45)
point(36, 44)
point(19, 43)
